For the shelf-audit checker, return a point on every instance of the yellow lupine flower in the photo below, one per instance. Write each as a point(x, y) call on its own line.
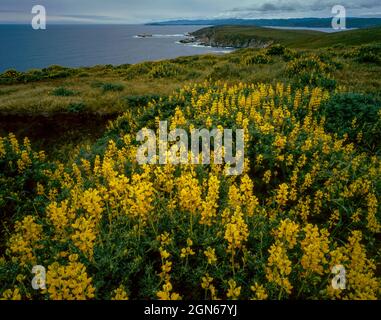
point(24, 241)
point(315, 247)
point(236, 231)
point(282, 194)
point(259, 292)
point(287, 233)
point(69, 282)
point(233, 292)
point(11, 294)
point(279, 267)
point(60, 215)
point(189, 193)
point(373, 224)
point(167, 294)
point(119, 294)
point(14, 143)
point(210, 205)
point(210, 254)
point(24, 162)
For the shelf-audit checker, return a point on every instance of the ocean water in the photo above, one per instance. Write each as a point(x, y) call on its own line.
point(23, 48)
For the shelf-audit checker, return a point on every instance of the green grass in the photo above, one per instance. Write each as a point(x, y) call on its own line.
point(63, 92)
point(347, 38)
point(240, 34)
point(229, 35)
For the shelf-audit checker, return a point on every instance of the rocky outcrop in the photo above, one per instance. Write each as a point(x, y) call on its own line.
point(208, 37)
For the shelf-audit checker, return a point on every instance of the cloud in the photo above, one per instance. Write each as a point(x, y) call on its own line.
point(87, 17)
point(315, 5)
point(269, 6)
point(138, 11)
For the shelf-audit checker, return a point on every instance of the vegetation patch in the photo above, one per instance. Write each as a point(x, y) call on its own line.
point(63, 92)
point(258, 58)
point(165, 70)
point(356, 116)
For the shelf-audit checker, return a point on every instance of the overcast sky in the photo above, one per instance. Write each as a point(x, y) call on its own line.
point(140, 11)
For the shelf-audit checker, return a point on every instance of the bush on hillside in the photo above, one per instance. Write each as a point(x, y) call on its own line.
point(355, 115)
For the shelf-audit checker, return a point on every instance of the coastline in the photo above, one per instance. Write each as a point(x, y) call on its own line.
point(92, 45)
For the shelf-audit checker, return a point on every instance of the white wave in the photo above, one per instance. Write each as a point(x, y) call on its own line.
point(168, 35)
point(223, 51)
point(195, 45)
point(182, 35)
point(199, 45)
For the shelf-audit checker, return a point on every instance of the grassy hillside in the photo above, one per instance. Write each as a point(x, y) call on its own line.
point(241, 35)
point(347, 38)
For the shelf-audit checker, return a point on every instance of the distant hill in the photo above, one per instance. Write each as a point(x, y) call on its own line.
point(297, 22)
point(259, 37)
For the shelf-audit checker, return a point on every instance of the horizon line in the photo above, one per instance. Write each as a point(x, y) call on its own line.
point(175, 20)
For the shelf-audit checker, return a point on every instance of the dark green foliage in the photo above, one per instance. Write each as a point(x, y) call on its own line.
point(312, 71)
point(276, 50)
point(139, 69)
point(63, 92)
point(259, 58)
point(52, 72)
point(341, 111)
point(165, 70)
point(138, 101)
point(10, 76)
point(18, 192)
point(76, 107)
point(369, 54)
point(33, 75)
point(115, 87)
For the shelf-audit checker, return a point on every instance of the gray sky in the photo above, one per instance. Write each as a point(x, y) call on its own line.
point(138, 11)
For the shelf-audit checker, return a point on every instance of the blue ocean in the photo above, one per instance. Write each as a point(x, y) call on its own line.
point(23, 48)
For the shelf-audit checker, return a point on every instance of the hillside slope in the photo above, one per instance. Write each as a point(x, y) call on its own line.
point(258, 37)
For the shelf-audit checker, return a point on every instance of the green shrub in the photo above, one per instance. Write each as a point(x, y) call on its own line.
point(369, 57)
point(290, 54)
point(63, 92)
point(34, 75)
point(10, 76)
point(311, 71)
point(308, 64)
point(165, 70)
point(259, 58)
point(138, 101)
point(368, 54)
point(76, 107)
point(355, 115)
point(276, 50)
point(115, 87)
point(105, 86)
point(58, 72)
point(139, 69)
point(285, 53)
